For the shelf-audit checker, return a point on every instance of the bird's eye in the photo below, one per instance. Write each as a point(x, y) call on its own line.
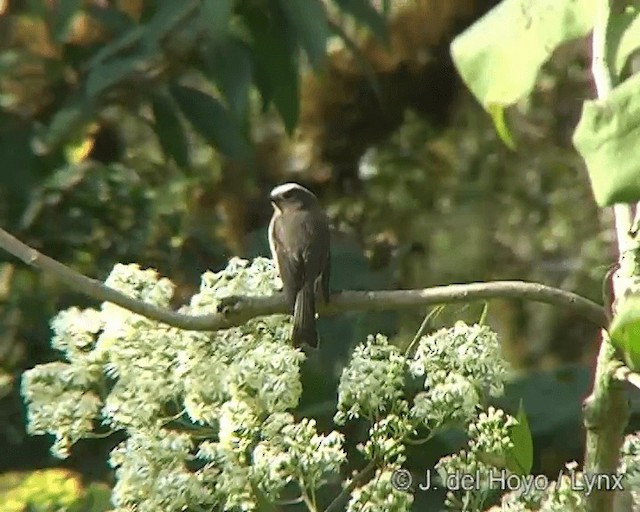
point(286, 195)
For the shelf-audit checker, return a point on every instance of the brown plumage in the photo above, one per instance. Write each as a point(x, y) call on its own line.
point(300, 247)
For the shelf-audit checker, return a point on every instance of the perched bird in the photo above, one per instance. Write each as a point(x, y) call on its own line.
point(300, 247)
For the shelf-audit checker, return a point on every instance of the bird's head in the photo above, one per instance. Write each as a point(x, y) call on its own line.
point(291, 196)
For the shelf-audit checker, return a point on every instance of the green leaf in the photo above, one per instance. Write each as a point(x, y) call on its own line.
point(168, 17)
point(607, 138)
point(106, 75)
point(65, 123)
point(115, 21)
point(276, 67)
point(553, 402)
point(229, 65)
point(126, 42)
point(625, 330)
point(216, 16)
point(169, 130)
point(520, 457)
point(64, 13)
point(623, 36)
point(368, 15)
point(309, 21)
point(212, 121)
point(499, 56)
point(500, 124)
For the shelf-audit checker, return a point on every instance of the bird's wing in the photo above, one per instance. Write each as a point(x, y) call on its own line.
point(288, 261)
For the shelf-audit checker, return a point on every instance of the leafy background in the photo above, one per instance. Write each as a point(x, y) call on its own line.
point(151, 132)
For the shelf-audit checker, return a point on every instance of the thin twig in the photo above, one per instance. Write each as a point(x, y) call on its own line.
point(423, 328)
point(236, 311)
point(625, 374)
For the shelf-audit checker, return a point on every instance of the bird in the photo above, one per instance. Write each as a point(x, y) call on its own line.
point(300, 248)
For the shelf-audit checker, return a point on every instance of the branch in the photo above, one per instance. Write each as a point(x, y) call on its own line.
point(358, 479)
point(236, 311)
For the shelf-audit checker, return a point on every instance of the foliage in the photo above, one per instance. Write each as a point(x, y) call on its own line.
point(107, 113)
point(607, 127)
point(499, 73)
point(511, 215)
point(602, 139)
point(126, 55)
point(51, 490)
point(607, 132)
point(96, 97)
point(211, 418)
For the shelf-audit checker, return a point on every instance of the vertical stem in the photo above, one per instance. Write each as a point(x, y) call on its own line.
point(606, 411)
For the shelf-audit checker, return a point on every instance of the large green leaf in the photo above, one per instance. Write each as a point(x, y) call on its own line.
point(229, 64)
point(607, 138)
point(167, 18)
point(499, 56)
point(364, 12)
point(276, 67)
point(212, 121)
point(127, 41)
point(625, 330)
point(520, 457)
point(623, 36)
point(108, 74)
point(309, 21)
point(169, 130)
point(216, 16)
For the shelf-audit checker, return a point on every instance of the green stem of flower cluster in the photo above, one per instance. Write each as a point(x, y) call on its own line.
point(357, 480)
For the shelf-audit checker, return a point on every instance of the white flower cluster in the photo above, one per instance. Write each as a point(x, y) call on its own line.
point(385, 440)
point(272, 454)
point(205, 413)
point(208, 415)
point(559, 496)
point(458, 366)
point(379, 494)
point(455, 367)
point(60, 402)
point(152, 473)
point(65, 399)
point(488, 447)
point(373, 383)
point(490, 434)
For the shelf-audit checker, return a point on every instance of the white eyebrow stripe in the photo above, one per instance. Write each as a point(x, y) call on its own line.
point(286, 187)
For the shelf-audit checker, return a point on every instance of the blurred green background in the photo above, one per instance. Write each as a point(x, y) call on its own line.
point(151, 131)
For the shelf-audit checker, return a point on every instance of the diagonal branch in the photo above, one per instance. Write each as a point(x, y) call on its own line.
point(237, 310)
point(357, 480)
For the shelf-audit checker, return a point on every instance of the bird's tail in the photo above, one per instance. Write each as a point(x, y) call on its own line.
point(304, 318)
